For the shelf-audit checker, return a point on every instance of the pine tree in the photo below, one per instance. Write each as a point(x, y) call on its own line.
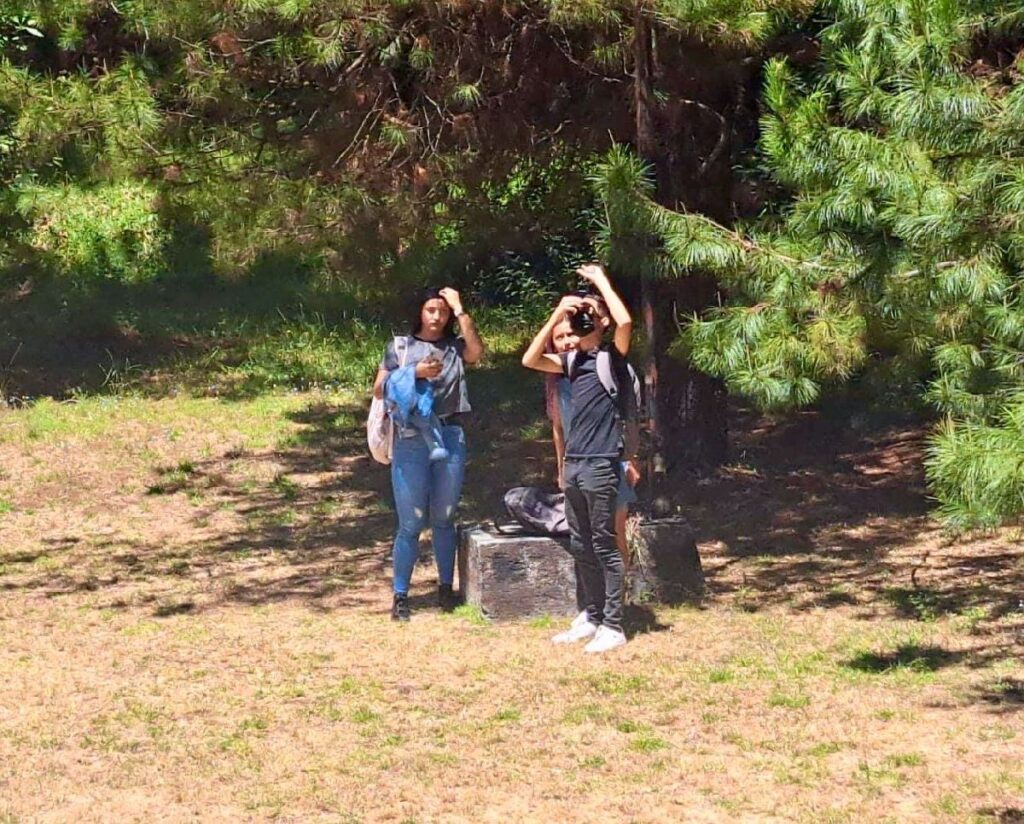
point(897, 241)
point(335, 116)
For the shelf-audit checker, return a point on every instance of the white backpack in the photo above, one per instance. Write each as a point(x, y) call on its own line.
point(380, 432)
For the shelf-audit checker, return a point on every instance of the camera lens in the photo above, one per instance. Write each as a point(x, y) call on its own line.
point(582, 322)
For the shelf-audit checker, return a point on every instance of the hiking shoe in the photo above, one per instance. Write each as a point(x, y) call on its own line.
point(447, 598)
point(606, 639)
point(573, 634)
point(579, 620)
point(400, 608)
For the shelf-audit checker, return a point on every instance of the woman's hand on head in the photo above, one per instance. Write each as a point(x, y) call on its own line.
point(452, 298)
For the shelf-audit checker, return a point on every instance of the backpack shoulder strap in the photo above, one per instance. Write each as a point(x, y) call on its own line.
point(606, 374)
point(405, 348)
point(620, 381)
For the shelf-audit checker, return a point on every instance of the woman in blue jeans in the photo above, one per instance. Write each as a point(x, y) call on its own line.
point(428, 491)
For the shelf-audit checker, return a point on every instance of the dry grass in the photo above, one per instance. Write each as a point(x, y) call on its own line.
point(192, 608)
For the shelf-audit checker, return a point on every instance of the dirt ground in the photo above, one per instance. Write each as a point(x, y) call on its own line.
point(193, 626)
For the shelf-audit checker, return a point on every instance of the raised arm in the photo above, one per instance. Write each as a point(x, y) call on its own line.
point(474, 345)
point(535, 357)
point(620, 314)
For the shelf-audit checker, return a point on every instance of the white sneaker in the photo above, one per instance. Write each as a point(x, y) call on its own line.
point(577, 633)
point(605, 639)
point(579, 620)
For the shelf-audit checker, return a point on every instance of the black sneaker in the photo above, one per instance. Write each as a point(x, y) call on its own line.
point(447, 599)
point(400, 608)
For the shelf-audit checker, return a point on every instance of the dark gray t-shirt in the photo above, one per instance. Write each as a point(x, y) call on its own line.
point(450, 395)
point(596, 430)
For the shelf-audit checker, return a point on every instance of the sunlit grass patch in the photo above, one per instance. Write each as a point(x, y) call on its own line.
point(472, 614)
point(507, 714)
point(801, 771)
point(611, 682)
point(996, 732)
point(365, 715)
point(719, 675)
point(946, 804)
point(648, 743)
point(908, 759)
point(172, 478)
point(240, 739)
point(247, 423)
point(970, 619)
point(825, 748)
point(787, 700)
point(586, 713)
point(876, 778)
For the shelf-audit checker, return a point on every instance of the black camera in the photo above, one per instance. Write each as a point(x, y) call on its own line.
point(582, 321)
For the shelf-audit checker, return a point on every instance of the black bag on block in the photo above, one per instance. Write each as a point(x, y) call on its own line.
point(539, 512)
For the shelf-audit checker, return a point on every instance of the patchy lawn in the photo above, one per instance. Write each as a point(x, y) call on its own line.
point(193, 600)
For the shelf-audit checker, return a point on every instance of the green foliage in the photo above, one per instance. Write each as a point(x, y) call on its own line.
point(107, 231)
point(976, 469)
point(730, 22)
point(900, 241)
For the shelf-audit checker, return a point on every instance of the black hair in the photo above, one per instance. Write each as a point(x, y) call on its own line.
point(416, 310)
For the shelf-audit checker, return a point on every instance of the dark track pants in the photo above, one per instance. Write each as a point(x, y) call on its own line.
point(591, 491)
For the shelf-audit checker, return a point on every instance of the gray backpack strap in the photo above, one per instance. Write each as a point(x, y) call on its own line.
point(606, 374)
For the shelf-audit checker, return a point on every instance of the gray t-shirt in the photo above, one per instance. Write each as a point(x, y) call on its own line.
point(450, 395)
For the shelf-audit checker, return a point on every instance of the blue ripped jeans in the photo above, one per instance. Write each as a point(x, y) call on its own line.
point(425, 489)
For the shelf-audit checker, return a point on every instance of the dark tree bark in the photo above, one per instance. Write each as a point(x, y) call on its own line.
point(687, 407)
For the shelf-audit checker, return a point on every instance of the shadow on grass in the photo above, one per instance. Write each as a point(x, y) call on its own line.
point(912, 657)
point(1002, 815)
point(1002, 694)
point(640, 619)
point(315, 527)
point(814, 512)
point(811, 516)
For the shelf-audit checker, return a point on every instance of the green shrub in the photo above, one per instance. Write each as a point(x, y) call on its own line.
point(110, 231)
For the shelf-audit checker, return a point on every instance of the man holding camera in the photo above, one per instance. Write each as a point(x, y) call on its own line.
point(593, 451)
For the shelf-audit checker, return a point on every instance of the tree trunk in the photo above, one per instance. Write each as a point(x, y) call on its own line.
point(687, 407)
